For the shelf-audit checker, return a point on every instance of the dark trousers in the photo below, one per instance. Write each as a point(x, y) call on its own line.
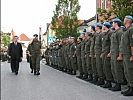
point(14, 65)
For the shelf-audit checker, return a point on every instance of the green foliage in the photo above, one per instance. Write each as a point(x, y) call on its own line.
point(5, 38)
point(65, 20)
point(120, 8)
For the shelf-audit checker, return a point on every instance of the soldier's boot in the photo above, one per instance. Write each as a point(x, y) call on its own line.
point(65, 70)
point(122, 92)
point(34, 71)
point(37, 73)
point(100, 82)
point(71, 72)
point(85, 77)
point(80, 76)
point(107, 85)
point(90, 78)
point(74, 72)
point(94, 81)
point(117, 87)
point(129, 92)
point(62, 69)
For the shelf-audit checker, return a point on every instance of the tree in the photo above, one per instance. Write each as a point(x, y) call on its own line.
point(65, 21)
point(120, 8)
point(5, 38)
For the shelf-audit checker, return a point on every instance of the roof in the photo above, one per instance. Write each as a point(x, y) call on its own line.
point(91, 19)
point(23, 37)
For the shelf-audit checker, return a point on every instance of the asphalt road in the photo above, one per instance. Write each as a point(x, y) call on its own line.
point(50, 85)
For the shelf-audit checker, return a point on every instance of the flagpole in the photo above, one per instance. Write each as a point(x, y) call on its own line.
point(40, 34)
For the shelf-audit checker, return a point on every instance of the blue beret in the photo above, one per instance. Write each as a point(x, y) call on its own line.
point(93, 25)
point(98, 25)
point(88, 32)
point(129, 17)
point(112, 28)
point(84, 33)
point(122, 26)
point(117, 20)
point(107, 24)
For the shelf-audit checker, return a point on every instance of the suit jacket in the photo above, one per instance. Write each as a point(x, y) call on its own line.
point(15, 51)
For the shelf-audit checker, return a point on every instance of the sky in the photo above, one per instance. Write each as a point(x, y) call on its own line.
point(26, 16)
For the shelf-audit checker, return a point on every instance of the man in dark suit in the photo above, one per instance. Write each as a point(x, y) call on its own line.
point(15, 53)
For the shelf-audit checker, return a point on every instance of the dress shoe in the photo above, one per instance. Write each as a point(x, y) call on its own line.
point(117, 87)
point(129, 92)
point(107, 85)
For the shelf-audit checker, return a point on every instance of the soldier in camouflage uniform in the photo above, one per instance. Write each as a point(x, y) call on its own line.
point(126, 53)
point(98, 51)
point(78, 55)
point(85, 76)
point(47, 56)
point(73, 60)
point(66, 55)
point(63, 56)
point(88, 68)
point(105, 50)
point(92, 55)
point(60, 56)
point(116, 65)
point(35, 53)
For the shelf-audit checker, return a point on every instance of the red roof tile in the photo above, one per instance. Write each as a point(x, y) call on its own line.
point(23, 37)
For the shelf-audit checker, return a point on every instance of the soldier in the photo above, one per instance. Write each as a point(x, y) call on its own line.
point(98, 51)
point(88, 68)
point(69, 67)
point(92, 55)
point(105, 50)
point(116, 65)
point(63, 56)
point(126, 54)
point(73, 57)
point(66, 55)
point(50, 55)
point(46, 55)
point(85, 76)
point(35, 53)
point(78, 55)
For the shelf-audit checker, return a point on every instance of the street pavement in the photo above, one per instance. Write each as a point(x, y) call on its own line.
point(50, 85)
